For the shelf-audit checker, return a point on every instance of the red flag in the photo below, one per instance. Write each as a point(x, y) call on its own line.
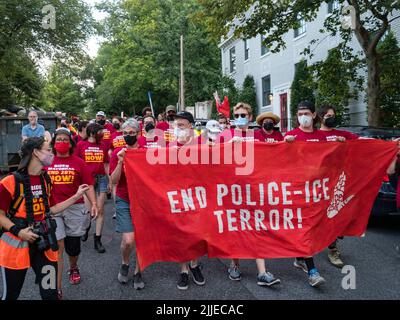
point(293, 205)
point(224, 108)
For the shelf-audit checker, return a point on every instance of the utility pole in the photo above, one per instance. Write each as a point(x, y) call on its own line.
point(182, 82)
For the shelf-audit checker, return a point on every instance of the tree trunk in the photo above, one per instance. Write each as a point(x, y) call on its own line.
point(373, 89)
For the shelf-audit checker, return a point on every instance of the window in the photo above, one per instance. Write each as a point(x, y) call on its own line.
point(332, 6)
point(301, 29)
point(246, 49)
point(266, 90)
point(264, 48)
point(232, 59)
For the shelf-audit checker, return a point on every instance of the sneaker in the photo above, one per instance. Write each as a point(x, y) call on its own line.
point(183, 282)
point(74, 276)
point(234, 273)
point(315, 279)
point(334, 258)
point(197, 276)
point(301, 264)
point(267, 279)
point(138, 283)
point(59, 294)
point(123, 273)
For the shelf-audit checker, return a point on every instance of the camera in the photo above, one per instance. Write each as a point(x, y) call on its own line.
point(46, 230)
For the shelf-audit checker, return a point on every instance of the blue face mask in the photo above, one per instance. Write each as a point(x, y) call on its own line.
point(241, 122)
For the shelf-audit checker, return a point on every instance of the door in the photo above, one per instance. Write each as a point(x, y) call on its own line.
point(284, 113)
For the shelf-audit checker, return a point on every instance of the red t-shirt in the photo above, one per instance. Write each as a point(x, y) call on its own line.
point(239, 135)
point(162, 125)
point(300, 135)
point(194, 141)
point(122, 186)
point(262, 136)
point(333, 134)
point(67, 174)
point(38, 201)
point(107, 132)
point(94, 155)
point(117, 140)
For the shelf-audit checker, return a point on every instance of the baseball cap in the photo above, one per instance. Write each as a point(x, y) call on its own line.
point(185, 115)
point(100, 114)
point(213, 126)
point(170, 108)
point(62, 130)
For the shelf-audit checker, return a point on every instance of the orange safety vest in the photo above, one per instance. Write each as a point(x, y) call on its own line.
point(14, 252)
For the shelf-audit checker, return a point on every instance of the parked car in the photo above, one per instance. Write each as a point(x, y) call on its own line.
point(385, 202)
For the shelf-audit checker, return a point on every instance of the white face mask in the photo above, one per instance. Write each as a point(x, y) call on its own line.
point(181, 133)
point(305, 121)
point(222, 126)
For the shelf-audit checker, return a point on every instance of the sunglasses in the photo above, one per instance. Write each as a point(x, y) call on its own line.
point(130, 133)
point(242, 115)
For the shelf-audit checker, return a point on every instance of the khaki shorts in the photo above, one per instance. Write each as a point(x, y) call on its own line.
point(72, 222)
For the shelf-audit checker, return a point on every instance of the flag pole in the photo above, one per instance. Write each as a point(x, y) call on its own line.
point(182, 82)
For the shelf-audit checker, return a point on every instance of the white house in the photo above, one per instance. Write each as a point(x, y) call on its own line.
point(273, 72)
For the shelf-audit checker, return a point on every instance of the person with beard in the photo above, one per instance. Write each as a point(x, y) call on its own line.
point(327, 116)
point(95, 154)
point(124, 223)
point(267, 133)
point(167, 126)
point(150, 139)
point(67, 173)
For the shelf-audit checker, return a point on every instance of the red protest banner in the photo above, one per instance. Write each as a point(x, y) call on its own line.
point(292, 200)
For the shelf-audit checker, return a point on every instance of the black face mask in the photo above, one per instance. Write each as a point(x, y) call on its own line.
point(101, 122)
point(268, 126)
point(331, 122)
point(130, 140)
point(170, 118)
point(150, 126)
point(116, 125)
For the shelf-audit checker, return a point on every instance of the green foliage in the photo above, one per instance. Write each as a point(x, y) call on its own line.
point(390, 81)
point(143, 54)
point(23, 41)
point(302, 87)
point(333, 79)
point(248, 92)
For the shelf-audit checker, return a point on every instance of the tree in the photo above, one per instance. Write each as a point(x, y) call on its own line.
point(370, 19)
point(390, 84)
point(66, 87)
point(336, 82)
point(302, 87)
point(248, 92)
point(26, 35)
point(141, 54)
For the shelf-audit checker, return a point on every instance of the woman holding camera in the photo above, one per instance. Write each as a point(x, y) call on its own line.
point(24, 212)
point(68, 172)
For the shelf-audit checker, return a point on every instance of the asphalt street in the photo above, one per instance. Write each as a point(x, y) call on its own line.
point(376, 262)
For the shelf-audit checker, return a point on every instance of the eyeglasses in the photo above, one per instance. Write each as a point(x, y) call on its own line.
point(129, 133)
point(242, 115)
